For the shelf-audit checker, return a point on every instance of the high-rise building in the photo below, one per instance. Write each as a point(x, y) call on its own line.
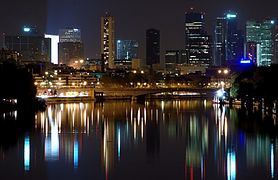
point(173, 58)
point(228, 41)
point(54, 47)
point(152, 47)
point(275, 59)
point(69, 35)
point(127, 49)
point(70, 47)
point(262, 33)
point(219, 46)
point(108, 40)
point(32, 46)
point(197, 42)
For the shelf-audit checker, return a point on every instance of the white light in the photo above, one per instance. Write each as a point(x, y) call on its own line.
point(220, 93)
point(54, 47)
point(27, 153)
point(26, 29)
point(231, 16)
point(231, 165)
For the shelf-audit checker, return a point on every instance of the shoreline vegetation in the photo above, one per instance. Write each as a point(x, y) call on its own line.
point(18, 91)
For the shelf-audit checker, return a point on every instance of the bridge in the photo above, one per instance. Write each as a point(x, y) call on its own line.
point(135, 93)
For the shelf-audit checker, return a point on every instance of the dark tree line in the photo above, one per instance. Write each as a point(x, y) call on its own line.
point(257, 83)
point(16, 83)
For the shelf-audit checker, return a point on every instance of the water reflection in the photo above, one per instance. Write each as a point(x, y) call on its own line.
point(190, 139)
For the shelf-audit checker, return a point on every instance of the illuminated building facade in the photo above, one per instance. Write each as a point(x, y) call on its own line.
point(228, 41)
point(108, 40)
point(70, 47)
point(234, 42)
point(173, 58)
point(197, 42)
point(54, 47)
point(152, 47)
point(31, 46)
point(262, 34)
point(70, 35)
point(127, 49)
point(251, 51)
point(219, 48)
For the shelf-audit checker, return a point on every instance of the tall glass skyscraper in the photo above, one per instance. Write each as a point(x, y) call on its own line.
point(108, 40)
point(262, 34)
point(197, 42)
point(219, 47)
point(152, 46)
point(228, 41)
point(127, 49)
point(70, 46)
point(70, 35)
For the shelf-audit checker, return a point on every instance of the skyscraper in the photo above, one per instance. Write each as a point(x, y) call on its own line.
point(262, 34)
point(219, 46)
point(70, 47)
point(31, 46)
point(197, 42)
point(107, 40)
point(152, 47)
point(235, 41)
point(228, 41)
point(127, 49)
point(275, 59)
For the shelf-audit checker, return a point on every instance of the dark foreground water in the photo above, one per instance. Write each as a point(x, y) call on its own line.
point(190, 139)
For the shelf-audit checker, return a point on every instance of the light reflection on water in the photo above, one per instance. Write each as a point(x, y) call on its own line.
point(189, 139)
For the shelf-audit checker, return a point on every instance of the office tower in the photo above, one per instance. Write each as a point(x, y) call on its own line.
point(219, 47)
point(127, 49)
point(235, 40)
point(70, 47)
point(275, 59)
point(228, 41)
point(69, 35)
point(32, 46)
point(54, 47)
point(262, 33)
point(175, 57)
point(152, 47)
point(107, 40)
point(197, 42)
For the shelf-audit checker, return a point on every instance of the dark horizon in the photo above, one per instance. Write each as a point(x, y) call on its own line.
point(132, 19)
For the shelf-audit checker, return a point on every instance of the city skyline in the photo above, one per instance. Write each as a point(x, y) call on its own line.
point(131, 19)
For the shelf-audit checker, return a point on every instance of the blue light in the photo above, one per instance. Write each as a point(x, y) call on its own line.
point(245, 61)
point(231, 165)
point(75, 153)
point(220, 93)
point(119, 41)
point(229, 16)
point(27, 153)
point(119, 143)
point(26, 29)
point(272, 22)
point(272, 160)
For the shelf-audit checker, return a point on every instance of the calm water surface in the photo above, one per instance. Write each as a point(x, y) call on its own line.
point(188, 139)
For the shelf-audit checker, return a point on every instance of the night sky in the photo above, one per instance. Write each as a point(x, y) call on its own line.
point(132, 17)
